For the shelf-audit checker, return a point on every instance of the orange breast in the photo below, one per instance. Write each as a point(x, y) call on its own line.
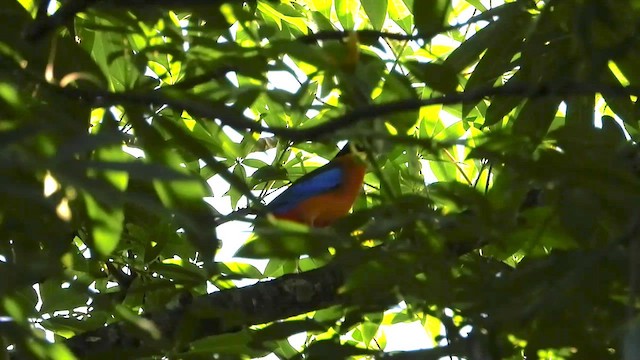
point(325, 209)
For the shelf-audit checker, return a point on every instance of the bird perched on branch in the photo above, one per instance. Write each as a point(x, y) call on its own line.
point(324, 195)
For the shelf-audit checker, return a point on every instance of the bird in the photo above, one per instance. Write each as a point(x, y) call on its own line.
point(324, 195)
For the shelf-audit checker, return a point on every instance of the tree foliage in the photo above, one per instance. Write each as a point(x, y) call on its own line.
point(499, 213)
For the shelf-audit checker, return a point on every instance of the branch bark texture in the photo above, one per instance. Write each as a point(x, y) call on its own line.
point(226, 310)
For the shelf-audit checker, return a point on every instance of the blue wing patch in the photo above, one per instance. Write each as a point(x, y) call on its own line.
point(300, 191)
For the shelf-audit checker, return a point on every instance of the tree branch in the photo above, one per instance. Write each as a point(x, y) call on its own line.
point(525, 91)
point(227, 310)
point(40, 27)
point(239, 122)
point(43, 25)
point(363, 35)
point(230, 310)
point(440, 352)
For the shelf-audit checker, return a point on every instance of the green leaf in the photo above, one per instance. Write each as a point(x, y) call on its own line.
point(254, 163)
point(289, 248)
point(106, 224)
point(499, 108)
point(288, 240)
point(430, 16)
point(401, 14)
point(240, 270)
point(625, 108)
point(477, 4)
point(330, 349)
point(580, 113)
point(469, 51)
point(369, 331)
point(397, 87)
point(55, 298)
point(274, 267)
point(184, 272)
point(581, 224)
point(535, 117)
point(283, 330)
point(439, 77)
point(497, 59)
point(310, 54)
point(66, 58)
point(322, 21)
point(112, 53)
point(234, 194)
point(376, 10)
point(107, 220)
point(323, 7)
point(233, 343)
point(346, 11)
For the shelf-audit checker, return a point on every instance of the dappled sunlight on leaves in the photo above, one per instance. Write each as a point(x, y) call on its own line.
point(499, 217)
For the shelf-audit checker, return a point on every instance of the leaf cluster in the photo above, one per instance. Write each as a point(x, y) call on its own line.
point(499, 215)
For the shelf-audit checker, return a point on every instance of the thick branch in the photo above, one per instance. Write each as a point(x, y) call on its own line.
point(226, 310)
point(230, 310)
